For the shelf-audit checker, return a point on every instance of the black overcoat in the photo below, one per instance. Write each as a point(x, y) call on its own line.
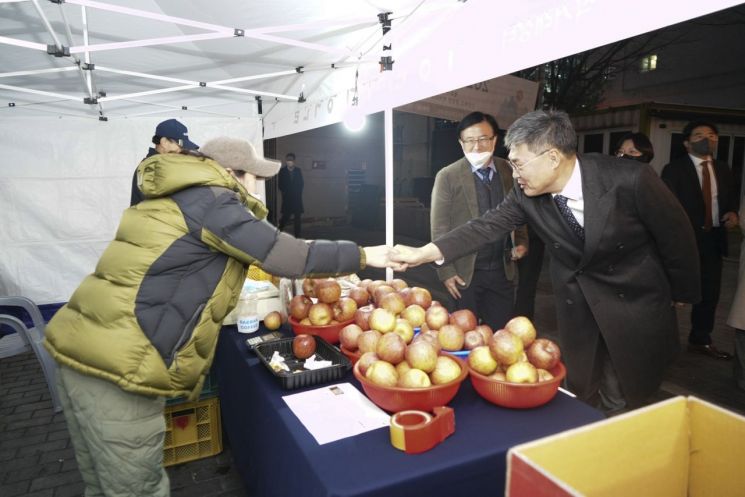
point(291, 185)
point(639, 256)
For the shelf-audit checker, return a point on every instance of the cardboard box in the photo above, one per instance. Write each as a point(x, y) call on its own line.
point(676, 448)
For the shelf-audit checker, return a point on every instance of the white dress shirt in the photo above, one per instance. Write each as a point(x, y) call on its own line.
point(573, 192)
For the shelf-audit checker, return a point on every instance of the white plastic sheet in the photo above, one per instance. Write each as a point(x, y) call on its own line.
point(64, 183)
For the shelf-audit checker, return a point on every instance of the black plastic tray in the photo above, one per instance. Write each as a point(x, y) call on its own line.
point(291, 380)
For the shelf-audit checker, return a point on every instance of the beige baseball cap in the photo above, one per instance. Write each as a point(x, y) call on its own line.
point(239, 155)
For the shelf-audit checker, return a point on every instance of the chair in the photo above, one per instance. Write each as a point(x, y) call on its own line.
point(29, 338)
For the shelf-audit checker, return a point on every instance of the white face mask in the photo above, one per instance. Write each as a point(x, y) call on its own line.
point(478, 159)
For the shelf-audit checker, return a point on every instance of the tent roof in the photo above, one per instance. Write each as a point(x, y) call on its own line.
point(146, 46)
point(214, 57)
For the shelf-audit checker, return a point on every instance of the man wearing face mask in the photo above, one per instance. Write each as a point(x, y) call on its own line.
point(483, 282)
point(290, 180)
point(704, 187)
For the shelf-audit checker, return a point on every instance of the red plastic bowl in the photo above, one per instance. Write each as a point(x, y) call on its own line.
point(518, 395)
point(395, 399)
point(352, 356)
point(330, 332)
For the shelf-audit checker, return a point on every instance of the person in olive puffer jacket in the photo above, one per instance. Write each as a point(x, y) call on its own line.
point(144, 325)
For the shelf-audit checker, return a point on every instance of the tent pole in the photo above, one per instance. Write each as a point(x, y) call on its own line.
point(389, 184)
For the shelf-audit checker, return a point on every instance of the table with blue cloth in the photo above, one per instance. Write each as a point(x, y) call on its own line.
point(276, 456)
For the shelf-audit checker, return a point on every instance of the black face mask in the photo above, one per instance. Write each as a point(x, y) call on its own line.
point(701, 147)
point(641, 158)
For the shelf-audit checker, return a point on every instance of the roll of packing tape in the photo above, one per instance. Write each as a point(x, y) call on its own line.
point(418, 431)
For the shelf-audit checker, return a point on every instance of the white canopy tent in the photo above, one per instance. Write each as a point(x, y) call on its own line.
point(84, 82)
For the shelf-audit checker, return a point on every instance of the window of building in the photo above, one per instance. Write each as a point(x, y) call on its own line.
point(648, 63)
point(593, 143)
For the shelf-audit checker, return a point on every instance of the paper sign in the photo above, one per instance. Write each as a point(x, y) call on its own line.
point(334, 412)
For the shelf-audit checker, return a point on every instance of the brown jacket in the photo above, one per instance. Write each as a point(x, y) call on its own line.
point(454, 203)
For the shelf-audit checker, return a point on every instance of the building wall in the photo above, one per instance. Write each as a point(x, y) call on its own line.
point(700, 64)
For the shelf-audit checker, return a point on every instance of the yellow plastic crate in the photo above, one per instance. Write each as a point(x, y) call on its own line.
point(193, 431)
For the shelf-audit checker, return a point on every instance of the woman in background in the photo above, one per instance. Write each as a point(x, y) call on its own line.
point(635, 146)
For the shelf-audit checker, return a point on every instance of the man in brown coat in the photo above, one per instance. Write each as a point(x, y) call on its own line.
point(484, 281)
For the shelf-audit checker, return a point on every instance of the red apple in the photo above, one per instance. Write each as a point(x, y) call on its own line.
point(368, 341)
point(464, 318)
point(401, 368)
point(521, 326)
point(414, 378)
point(380, 291)
point(344, 309)
point(506, 347)
point(521, 372)
point(414, 314)
point(544, 375)
point(348, 336)
point(299, 307)
point(382, 373)
point(422, 354)
point(473, 339)
point(436, 317)
point(359, 295)
point(303, 346)
point(486, 331)
point(404, 330)
point(451, 337)
point(273, 320)
point(481, 360)
point(327, 291)
point(382, 320)
point(320, 314)
point(398, 284)
point(391, 348)
point(393, 302)
point(544, 353)
point(446, 370)
point(419, 296)
point(362, 316)
point(308, 284)
point(433, 336)
point(366, 360)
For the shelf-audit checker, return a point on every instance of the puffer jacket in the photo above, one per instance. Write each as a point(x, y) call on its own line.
point(147, 318)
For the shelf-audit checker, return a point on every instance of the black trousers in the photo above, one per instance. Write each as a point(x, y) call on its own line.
point(297, 216)
point(490, 296)
point(529, 268)
point(702, 314)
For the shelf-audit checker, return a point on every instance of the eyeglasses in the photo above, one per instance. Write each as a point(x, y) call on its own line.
point(481, 140)
point(519, 167)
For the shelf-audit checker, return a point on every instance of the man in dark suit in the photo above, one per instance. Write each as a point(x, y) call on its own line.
point(483, 282)
point(616, 269)
point(704, 187)
point(290, 180)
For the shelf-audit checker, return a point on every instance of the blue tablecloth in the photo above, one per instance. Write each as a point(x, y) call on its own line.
point(276, 455)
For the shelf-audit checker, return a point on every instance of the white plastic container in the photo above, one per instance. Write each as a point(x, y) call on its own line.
point(248, 316)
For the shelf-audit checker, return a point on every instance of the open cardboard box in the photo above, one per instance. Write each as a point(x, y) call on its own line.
point(676, 448)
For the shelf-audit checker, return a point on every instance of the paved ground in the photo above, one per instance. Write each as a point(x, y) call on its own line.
point(36, 459)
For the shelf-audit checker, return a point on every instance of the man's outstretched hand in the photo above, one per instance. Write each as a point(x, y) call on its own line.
point(414, 256)
point(382, 256)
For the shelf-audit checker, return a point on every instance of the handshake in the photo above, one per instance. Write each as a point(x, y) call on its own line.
point(401, 257)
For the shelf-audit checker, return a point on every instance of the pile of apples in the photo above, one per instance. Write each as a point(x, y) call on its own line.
point(330, 307)
point(515, 355)
point(383, 334)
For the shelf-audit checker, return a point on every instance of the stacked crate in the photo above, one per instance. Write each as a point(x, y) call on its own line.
point(193, 429)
